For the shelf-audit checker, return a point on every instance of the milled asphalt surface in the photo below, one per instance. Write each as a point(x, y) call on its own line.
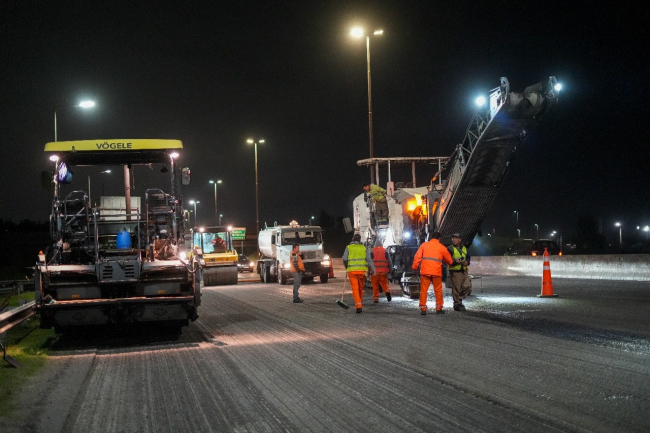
point(254, 361)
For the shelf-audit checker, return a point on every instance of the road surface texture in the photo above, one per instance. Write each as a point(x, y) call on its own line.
point(256, 362)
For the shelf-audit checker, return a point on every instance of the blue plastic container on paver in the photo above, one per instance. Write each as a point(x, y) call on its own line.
point(123, 240)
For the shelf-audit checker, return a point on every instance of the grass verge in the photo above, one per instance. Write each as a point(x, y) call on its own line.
point(13, 301)
point(27, 344)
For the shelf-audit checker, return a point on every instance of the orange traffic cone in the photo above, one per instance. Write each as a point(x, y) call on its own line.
point(547, 283)
point(331, 274)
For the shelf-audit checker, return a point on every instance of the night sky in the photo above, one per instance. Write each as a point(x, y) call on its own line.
point(290, 73)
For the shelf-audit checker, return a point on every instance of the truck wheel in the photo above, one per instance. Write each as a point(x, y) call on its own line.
point(266, 271)
point(324, 278)
point(283, 278)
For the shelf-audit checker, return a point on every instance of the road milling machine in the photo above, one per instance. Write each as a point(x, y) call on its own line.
point(459, 195)
point(122, 260)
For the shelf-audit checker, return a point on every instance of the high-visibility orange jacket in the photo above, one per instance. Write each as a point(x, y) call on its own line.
point(380, 260)
point(431, 255)
point(296, 263)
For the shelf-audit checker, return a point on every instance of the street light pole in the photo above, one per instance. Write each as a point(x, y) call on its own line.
point(220, 216)
point(196, 220)
point(517, 221)
point(537, 229)
point(82, 104)
point(257, 198)
point(215, 199)
point(357, 32)
point(620, 233)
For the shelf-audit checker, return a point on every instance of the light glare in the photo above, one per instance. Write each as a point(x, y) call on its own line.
point(357, 32)
point(378, 32)
point(558, 87)
point(54, 158)
point(480, 101)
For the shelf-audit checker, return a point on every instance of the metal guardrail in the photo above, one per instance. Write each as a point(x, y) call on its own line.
point(13, 317)
point(8, 320)
point(8, 286)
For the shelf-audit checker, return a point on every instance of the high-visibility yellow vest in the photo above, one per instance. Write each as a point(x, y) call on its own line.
point(357, 258)
point(462, 254)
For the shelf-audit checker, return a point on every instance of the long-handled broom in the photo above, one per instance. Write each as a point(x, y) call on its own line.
point(340, 301)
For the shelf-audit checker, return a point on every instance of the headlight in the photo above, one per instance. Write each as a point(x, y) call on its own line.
point(286, 265)
point(183, 255)
point(251, 264)
point(325, 263)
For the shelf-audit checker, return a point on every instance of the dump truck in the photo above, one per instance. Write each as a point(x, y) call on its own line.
point(460, 193)
point(275, 245)
point(122, 260)
point(219, 254)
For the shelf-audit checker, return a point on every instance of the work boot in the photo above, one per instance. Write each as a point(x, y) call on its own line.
point(359, 310)
point(388, 296)
point(423, 312)
point(440, 311)
point(376, 302)
point(461, 307)
point(298, 301)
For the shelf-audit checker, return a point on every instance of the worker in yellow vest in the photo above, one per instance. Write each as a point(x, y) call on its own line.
point(381, 260)
point(357, 262)
point(461, 285)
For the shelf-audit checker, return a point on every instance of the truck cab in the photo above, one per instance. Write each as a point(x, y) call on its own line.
point(275, 245)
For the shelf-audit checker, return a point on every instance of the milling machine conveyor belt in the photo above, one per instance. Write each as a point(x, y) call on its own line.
point(481, 162)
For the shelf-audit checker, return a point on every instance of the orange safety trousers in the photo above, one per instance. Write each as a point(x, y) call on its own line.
point(379, 279)
point(357, 281)
point(425, 280)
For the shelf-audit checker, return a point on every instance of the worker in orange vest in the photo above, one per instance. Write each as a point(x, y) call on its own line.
point(381, 260)
point(431, 255)
point(297, 271)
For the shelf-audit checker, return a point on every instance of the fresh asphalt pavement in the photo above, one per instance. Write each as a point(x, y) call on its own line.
point(254, 361)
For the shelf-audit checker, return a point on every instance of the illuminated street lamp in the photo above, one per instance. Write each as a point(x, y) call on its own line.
point(560, 236)
point(620, 233)
point(358, 32)
point(311, 221)
point(537, 229)
point(215, 199)
point(220, 216)
point(257, 197)
point(517, 220)
point(82, 104)
point(196, 220)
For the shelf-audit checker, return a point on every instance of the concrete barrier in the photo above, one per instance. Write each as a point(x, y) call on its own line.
point(634, 267)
